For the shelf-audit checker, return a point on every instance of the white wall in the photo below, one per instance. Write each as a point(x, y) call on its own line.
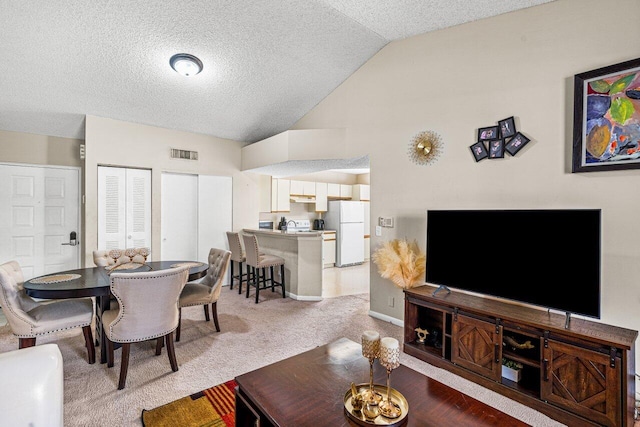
point(118, 143)
point(456, 80)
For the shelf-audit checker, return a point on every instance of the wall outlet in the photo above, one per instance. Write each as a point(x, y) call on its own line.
point(391, 301)
point(378, 231)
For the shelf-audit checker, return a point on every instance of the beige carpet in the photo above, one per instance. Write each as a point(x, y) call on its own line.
point(252, 335)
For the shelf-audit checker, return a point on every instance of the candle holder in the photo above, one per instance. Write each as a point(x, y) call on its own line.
point(115, 254)
point(390, 359)
point(371, 350)
point(144, 252)
point(130, 252)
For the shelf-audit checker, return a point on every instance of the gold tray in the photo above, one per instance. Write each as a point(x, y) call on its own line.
point(396, 397)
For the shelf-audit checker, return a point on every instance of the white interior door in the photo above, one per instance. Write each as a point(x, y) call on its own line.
point(124, 208)
point(215, 213)
point(196, 214)
point(39, 209)
point(179, 217)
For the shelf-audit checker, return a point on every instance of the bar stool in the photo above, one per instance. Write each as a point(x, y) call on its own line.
point(237, 255)
point(257, 263)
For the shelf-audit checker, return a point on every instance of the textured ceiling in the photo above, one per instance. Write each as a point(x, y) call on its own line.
point(266, 62)
point(354, 166)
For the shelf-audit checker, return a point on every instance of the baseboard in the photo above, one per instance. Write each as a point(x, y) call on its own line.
point(303, 297)
point(386, 318)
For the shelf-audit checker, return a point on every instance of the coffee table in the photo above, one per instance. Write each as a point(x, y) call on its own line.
point(309, 389)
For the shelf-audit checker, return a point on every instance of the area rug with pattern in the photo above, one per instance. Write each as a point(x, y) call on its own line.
point(213, 407)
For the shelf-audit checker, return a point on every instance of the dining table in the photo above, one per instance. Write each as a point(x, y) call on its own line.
point(95, 282)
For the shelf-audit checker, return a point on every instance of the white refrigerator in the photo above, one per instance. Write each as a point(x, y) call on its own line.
point(347, 218)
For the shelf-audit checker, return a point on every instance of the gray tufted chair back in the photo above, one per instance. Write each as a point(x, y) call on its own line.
point(148, 304)
point(207, 290)
point(251, 246)
point(218, 265)
point(235, 246)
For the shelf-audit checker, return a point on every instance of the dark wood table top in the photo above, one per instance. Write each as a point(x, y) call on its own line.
point(309, 389)
point(94, 281)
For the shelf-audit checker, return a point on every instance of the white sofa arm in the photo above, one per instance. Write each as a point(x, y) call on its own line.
point(32, 392)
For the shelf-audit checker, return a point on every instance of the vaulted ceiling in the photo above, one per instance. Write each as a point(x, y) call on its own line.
point(266, 62)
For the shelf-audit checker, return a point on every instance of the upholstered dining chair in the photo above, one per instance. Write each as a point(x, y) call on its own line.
point(257, 264)
point(147, 310)
point(207, 290)
point(30, 319)
point(237, 256)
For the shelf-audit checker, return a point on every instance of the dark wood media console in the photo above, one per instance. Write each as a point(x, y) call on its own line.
point(580, 375)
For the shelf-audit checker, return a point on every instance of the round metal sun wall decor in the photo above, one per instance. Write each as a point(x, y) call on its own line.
point(425, 147)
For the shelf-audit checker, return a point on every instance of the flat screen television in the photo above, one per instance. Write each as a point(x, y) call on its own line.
point(548, 258)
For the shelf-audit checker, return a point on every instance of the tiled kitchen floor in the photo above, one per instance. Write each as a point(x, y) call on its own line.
point(337, 282)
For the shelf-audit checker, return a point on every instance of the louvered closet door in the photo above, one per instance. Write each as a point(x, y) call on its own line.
point(138, 219)
point(124, 208)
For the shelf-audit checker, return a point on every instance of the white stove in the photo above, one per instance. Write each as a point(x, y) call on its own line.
point(298, 225)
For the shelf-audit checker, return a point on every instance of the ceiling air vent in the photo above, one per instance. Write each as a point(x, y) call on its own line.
point(184, 154)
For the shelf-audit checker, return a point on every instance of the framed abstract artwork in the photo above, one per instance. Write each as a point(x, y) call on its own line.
point(606, 118)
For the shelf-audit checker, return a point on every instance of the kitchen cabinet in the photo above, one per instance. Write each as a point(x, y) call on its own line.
point(321, 196)
point(328, 249)
point(280, 195)
point(302, 188)
point(367, 248)
point(346, 191)
point(333, 190)
point(264, 184)
point(367, 230)
point(578, 372)
point(361, 192)
point(340, 191)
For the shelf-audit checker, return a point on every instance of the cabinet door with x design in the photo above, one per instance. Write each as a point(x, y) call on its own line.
point(477, 346)
point(583, 381)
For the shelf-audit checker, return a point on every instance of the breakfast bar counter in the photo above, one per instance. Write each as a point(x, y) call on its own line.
point(302, 253)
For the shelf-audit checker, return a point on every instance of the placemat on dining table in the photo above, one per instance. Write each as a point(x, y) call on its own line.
point(125, 266)
point(187, 264)
point(55, 278)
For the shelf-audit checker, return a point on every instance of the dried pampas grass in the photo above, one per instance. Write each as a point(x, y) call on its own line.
point(401, 261)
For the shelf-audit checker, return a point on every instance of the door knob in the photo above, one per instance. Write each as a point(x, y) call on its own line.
point(72, 239)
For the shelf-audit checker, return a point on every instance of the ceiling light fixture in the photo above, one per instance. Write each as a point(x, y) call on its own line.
point(186, 64)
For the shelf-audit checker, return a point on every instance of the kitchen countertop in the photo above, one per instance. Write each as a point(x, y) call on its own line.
point(289, 234)
point(302, 252)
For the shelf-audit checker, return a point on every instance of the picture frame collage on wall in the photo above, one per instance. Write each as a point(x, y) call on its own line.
point(494, 141)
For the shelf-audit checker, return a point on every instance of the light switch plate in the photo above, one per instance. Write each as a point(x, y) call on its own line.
point(378, 231)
